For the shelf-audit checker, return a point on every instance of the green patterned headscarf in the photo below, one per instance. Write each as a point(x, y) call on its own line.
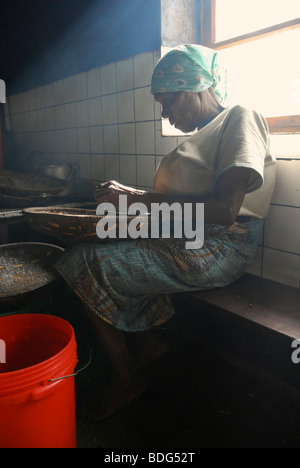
point(192, 68)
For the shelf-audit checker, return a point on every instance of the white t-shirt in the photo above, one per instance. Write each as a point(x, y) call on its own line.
point(237, 137)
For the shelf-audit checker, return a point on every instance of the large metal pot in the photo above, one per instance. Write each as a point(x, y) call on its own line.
point(61, 171)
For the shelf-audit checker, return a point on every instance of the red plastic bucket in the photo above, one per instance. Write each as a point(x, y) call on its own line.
point(37, 406)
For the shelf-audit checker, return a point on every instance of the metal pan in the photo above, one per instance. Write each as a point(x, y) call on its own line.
point(27, 271)
point(22, 184)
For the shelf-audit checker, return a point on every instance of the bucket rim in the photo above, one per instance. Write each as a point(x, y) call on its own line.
point(45, 370)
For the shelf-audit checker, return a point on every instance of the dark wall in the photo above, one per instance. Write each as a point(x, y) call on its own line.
point(44, 40)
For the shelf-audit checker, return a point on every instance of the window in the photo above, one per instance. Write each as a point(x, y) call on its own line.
point(259, 43)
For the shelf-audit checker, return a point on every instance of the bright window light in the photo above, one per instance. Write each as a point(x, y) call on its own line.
point(265, 73)
point(237, 17)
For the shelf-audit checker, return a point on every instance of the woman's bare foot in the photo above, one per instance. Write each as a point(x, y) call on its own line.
point(110, 400)
point(149, 346)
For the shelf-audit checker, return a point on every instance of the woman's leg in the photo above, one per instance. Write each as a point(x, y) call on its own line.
point(125, 383)
point(113, 340)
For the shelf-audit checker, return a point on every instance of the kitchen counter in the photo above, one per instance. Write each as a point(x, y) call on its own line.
point(14, 215)
point(9, 214)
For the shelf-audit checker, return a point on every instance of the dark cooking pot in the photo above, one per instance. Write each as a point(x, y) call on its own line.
point(63, 172)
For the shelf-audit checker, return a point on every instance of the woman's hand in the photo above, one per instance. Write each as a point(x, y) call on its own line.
point(110, 191)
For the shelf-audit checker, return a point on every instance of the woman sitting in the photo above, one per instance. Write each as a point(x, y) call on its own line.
point(225, 164)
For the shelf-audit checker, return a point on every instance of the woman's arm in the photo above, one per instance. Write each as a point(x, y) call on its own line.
point(222, 208)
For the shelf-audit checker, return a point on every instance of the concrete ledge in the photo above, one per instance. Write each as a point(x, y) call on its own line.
point(264, 302)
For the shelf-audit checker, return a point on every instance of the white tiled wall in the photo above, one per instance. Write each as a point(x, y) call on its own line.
point(278, 256)
point(105, 120)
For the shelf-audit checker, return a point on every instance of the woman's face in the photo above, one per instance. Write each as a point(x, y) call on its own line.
point(183, 109)
point(187, 111)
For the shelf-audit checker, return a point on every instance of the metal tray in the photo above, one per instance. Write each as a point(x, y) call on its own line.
point(22, 184)
point(13, 201)
point(26, 271)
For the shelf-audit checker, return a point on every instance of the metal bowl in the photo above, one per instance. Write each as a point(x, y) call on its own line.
point(27, 271)
point(22, 184)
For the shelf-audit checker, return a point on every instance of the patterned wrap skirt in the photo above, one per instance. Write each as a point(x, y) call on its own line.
point(130, 283)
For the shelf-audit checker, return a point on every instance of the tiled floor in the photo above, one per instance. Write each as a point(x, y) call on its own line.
point(198, 395)
point(197, 398)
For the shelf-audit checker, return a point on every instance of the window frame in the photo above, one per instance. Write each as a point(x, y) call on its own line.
point(281, 124)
